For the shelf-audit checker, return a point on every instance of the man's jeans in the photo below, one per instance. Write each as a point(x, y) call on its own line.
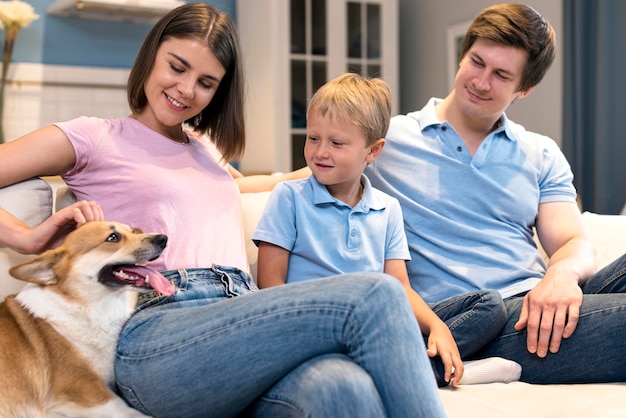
point(345, 346)
point(596, 352)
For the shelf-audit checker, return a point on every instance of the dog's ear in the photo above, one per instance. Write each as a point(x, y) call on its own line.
point(40, 269)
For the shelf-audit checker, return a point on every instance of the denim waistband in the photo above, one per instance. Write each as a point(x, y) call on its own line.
point(180, 277)
point(194, 285)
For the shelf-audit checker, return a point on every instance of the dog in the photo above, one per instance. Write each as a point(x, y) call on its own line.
point(58, 335)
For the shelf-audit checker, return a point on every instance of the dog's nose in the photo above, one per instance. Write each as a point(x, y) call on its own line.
point(160, 240)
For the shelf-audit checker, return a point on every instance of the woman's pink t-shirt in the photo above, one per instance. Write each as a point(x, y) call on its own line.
point(146, 180)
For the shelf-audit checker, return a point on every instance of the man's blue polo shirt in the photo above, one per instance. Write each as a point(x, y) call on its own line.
point(469, 220)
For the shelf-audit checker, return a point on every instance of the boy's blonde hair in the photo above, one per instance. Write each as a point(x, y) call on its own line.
point(366, 102)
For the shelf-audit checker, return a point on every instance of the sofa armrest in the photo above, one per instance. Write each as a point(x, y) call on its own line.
point(31, 202)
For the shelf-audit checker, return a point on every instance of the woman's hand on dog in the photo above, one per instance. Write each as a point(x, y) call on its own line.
point(23, 239)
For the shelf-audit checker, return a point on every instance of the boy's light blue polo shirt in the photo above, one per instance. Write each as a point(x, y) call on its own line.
point(326, 236)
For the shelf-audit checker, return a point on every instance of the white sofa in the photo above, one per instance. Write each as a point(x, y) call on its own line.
point(33, 201)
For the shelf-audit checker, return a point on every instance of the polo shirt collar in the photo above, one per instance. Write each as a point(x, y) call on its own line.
point(428, 117)
point(369, 201)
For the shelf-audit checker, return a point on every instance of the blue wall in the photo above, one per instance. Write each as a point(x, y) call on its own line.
point(84, 42)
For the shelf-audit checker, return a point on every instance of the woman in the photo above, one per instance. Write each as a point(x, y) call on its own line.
point(218, 346)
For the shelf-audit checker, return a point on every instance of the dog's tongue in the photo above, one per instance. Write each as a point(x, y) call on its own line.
point(153, 278)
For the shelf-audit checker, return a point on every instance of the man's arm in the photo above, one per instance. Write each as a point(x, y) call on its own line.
point(550, 310)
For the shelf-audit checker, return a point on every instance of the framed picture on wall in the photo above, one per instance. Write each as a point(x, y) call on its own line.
point(454, 34)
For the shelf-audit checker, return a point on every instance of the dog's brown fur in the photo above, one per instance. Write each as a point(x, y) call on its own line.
point(58, 336)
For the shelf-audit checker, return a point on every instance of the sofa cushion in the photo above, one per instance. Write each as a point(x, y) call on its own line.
point(30, 201)
point(252, 206)
point(608, 232)
point(64, 197)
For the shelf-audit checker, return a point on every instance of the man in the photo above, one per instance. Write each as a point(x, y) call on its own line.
point(472, 185)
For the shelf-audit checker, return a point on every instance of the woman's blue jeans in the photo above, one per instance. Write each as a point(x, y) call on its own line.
point(596, 352)
point(338, 347)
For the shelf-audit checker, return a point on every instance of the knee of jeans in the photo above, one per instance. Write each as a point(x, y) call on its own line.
point(342, 399)
point(492, 299)
point(327, 386)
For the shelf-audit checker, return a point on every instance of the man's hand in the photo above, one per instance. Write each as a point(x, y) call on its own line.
point(550, 312)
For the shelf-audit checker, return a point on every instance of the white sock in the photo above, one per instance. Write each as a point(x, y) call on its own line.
point(490, 370)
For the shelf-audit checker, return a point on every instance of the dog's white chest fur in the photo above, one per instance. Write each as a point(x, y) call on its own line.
point(93, 328)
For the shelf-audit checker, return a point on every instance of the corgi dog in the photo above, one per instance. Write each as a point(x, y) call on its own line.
point(58, 335)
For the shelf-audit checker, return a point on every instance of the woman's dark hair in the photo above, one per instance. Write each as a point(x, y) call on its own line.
point(519, 26)
point(223, 118)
